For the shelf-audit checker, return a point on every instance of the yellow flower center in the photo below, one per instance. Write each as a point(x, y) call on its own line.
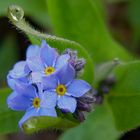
point(49, 70)
point(61, 90)
point(36, 102)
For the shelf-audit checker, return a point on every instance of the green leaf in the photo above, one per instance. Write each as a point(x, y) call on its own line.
point(8, 56)
point(7, 116)
point(38, 123)
point(81, 20)
point(124, 98)
point(98, 126)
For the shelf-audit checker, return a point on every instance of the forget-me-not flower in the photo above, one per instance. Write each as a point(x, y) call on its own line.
point(46, 80)
point(21, 72)
point(64, 88)
point(28, 98)
point(46, 62)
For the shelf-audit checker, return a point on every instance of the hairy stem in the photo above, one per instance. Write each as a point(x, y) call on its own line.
point(16, 16)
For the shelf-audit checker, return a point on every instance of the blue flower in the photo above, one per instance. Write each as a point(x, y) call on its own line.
point(46, 62)
point(34, 102)
point(65, 88)
point(46, 80)
point(39, 62)
point(21, 72)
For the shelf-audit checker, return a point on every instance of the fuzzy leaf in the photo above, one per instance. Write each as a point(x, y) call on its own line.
point(38, 123)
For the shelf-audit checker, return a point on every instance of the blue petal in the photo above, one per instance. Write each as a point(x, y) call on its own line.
point(35, 64)
point(24, 80)
point(61, 61)
point(20, 70)
point(78, 88)
point(18, 102)
point(49, 99)
point(11, 96)
point(66, 74)
point(39, 87)
point(36, 77)
point(49, 82)
point(67, 103)
point(11, 82)
point(31, 112)
point(26, 90)
point(47, 112)
point(32, 51)
point(48, 54)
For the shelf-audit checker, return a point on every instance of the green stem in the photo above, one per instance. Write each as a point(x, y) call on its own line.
point(16, 16)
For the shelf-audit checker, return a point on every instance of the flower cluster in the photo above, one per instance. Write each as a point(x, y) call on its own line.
point(46, 81)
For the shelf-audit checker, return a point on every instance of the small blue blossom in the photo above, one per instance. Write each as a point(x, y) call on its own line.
point(64, 88)
point(46, 80)
point(20, 73)
point(39, 62)
point(34, 102)
point(46, 61)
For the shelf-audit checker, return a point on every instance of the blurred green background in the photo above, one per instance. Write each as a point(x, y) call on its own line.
point(115, 27)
